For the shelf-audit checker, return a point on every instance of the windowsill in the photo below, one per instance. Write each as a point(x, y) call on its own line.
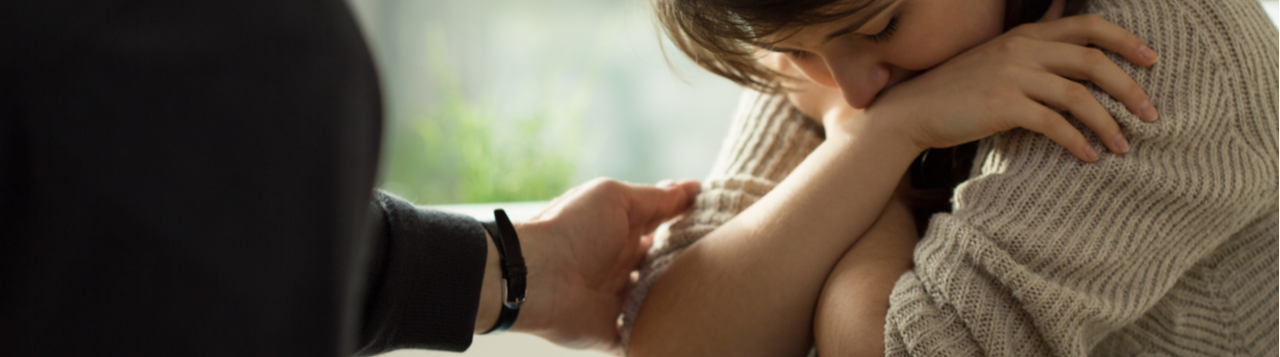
point(517, 211)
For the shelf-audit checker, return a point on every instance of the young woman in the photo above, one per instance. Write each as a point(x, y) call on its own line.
point(1165, 249)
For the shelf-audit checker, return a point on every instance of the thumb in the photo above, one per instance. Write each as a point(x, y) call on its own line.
point(649, 206)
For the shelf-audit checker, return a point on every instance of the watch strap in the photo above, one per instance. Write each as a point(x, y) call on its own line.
point(514, 272)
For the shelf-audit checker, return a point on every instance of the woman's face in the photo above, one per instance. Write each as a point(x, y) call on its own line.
point(907, 37)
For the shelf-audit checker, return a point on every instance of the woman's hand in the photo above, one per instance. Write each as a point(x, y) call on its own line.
point(1013, 81)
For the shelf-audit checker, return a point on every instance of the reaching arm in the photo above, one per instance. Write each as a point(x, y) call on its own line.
point(424, 278)
point(433, 268)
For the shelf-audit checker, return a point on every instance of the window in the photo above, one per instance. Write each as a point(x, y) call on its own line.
point(493, 100)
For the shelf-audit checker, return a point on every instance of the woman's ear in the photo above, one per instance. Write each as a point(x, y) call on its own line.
point(1055, 11)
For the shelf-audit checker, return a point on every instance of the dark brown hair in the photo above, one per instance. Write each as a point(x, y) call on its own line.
point(719, 35)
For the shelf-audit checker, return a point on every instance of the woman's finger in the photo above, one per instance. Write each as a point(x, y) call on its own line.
point(1074, 97)
point(1041, 119)
point(1091, 64)
point(1091, 29)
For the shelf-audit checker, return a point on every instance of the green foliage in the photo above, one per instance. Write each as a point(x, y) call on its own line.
point(464, 152)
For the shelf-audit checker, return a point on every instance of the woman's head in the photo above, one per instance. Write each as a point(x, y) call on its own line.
point(859, 46)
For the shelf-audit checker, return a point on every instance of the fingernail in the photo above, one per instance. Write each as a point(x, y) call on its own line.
point(1121, 144)
point(1141, 111)
point(665, 183)
point(1147, 53)
point(695, 188)
point(1090, 154)
point(1148, 111)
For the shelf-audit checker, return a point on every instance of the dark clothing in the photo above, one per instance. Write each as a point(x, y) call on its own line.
point(430, 288)
point(194, 178)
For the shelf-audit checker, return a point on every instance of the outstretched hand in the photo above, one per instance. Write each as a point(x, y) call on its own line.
point(581, 251)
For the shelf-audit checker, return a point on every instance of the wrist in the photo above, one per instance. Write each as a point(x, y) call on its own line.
point(882, 130)
point(490, 290)
point(539, 298)
point(506, 293)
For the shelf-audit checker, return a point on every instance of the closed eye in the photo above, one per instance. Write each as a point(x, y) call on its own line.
point(887, 33)
point(793, 53)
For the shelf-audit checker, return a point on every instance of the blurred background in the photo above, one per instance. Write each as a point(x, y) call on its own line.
point(505, 100)
point(513, 101)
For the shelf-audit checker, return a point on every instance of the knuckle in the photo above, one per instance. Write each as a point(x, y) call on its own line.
point(1048, 119)
point(1094, 57)
point(1015, 44)
point(1091, 20)
point(1077, 92)
point(604, 183)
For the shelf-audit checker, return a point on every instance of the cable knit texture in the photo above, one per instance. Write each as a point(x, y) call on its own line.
point(1170, 249)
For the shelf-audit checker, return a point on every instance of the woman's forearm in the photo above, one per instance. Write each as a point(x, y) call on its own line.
point(850, 315)
point(749, 288)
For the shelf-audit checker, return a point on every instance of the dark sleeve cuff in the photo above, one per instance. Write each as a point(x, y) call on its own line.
point(425, 279)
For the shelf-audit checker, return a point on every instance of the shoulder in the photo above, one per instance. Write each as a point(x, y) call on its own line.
point(1214, 24)
point(1215, 83)
point(1206, 48)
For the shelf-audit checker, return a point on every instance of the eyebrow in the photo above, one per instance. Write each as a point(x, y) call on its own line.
point(857, 23)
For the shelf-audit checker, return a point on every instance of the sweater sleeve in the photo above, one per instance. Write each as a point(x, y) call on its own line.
point(1169, 248)
point(424, 280)
point(767, 140)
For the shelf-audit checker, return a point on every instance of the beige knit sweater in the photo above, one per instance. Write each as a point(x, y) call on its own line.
point(1170, 249)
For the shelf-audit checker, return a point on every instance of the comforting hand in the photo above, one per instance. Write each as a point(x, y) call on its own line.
point(581, 251)
point(1013, 81)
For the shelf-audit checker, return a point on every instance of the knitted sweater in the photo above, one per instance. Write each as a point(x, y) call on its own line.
point(1170, 249)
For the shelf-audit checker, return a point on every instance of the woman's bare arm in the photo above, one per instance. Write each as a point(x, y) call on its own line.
point(750, 287)
point(849, 320)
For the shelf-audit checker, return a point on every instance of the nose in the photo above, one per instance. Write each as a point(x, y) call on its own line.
point(860, 83)
point(858, 76)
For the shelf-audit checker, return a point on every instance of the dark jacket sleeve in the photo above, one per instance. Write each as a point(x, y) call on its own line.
point(424, 278)
point(194, 179)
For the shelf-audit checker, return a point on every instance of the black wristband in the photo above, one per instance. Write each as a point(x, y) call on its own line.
point(514, 272)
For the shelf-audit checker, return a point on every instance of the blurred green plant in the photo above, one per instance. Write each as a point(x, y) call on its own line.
point(463, 152)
